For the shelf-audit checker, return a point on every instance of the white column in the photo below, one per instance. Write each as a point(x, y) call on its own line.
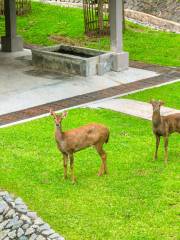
point(121, 59)
point(11, 42)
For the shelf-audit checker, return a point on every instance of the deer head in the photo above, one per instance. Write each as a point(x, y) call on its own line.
point(156, 105)
point(58, 118)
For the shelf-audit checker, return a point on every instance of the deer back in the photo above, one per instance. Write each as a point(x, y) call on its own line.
point(82, 137)
point(172, 122)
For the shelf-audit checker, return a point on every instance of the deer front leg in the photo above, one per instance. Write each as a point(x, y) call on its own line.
point(166, 149)
point(72, 168)
point(65, 161)
point(157, 146)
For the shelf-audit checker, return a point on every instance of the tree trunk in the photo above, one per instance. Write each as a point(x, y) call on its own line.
point(100, 15)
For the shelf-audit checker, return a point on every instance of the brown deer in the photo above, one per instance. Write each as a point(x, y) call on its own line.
point(80, 138)
point(163, 126)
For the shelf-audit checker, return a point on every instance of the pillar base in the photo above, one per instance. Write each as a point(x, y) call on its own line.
point(120, 61)
point(13, 44)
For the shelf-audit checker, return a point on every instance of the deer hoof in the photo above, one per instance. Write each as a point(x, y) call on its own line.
point(155, 158)
point(74, 180)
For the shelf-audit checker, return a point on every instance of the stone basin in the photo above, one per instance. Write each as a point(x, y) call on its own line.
point(73, 60)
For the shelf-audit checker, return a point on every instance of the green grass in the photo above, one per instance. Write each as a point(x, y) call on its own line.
point(170, 94)
point(49, 24)
point(139, 199)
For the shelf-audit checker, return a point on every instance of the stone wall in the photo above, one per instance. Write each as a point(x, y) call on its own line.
point(168, 9)
point(17, 222)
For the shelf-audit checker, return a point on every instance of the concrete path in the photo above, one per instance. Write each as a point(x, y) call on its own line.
point(131, 107)
point(23, 86)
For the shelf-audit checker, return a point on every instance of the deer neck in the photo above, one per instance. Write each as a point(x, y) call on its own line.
point(58, 132)
point(156, 118)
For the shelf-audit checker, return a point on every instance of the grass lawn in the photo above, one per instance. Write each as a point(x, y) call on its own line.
point(49, 24)
point(170, 94)
point(139, 199)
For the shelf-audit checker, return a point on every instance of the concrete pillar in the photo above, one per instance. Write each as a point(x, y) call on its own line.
point(11, 42)
point(121, 59)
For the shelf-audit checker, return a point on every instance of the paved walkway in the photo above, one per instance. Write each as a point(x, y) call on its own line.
point(131, 107)
point(23, 86)
point(25, 92)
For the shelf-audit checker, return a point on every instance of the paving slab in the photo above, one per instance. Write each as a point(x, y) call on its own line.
point(131, 107)
point(22, 86)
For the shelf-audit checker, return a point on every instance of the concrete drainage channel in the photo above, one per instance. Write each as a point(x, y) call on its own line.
point(19, 223)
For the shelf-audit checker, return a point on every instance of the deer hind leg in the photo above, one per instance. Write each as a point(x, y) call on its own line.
point(72, 168)
point(166, 149)
point(102, 153)
point(157, 146)
point(65, 161)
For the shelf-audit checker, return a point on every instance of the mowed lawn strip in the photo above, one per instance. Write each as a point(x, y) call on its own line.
point(139, 199)
point(170, 94)
point(48, 24)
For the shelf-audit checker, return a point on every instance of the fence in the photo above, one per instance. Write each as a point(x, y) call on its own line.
point(96, 17)
point(22, 7)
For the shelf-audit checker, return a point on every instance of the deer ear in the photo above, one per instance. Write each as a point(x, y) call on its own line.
point(151, 101)
point(52, 113)
point(161, 102)
point(64, 114)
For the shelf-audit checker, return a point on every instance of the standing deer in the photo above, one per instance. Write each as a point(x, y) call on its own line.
point(163, 126)
point(80, 138)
